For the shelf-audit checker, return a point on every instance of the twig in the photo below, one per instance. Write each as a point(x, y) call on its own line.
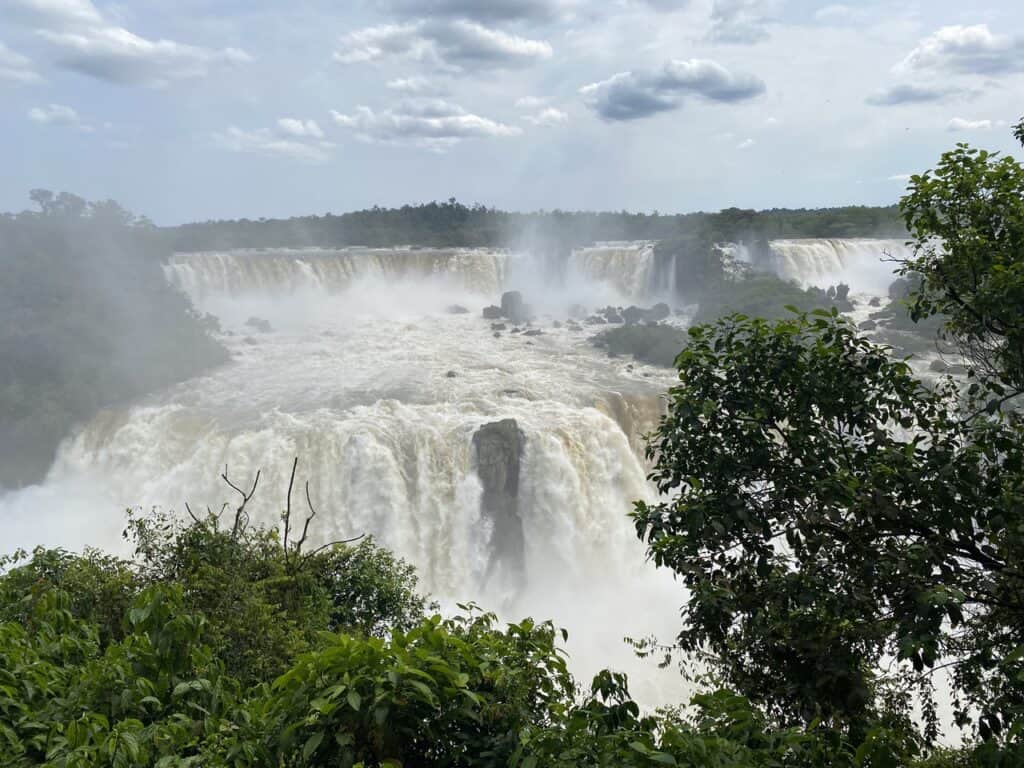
point(288, 508)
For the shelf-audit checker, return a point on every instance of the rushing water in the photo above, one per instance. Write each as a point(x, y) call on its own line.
point(378, 387)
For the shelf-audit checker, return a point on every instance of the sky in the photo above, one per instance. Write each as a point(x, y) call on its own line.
point(188, 110)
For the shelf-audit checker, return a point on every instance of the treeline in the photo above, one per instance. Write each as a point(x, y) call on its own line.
point(87, 320)
point(453, 224)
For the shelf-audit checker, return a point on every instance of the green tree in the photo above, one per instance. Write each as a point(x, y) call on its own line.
point(967, 222)
point(827, 511)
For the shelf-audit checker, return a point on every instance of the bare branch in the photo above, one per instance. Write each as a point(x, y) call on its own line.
point(241, 518)
point(191, 514)
point(318, 550)
point(288, 508)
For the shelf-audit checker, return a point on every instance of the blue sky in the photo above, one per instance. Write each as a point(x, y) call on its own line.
point(185, 110)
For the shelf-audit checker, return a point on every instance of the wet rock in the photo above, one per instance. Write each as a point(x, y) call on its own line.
point(457, 309)
point(534, 332)
point(958, 370)
point(556, 324)
point(875, 302)
point(497, 334)
point(451, 375)
point(611, 315)
point(259, 324)
point(938, 366)
point(492, 313)
point(498, 451)
point(868, 325)
point(595, 320)
point(498, 326)
point(514, 308)
point(516, 330)
point(634, 315)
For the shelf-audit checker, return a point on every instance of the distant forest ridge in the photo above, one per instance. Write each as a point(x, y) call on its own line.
point(452, 224)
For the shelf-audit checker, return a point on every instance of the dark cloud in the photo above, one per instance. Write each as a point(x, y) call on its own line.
point(633, 95)
point(453, 46)
point(910, 93)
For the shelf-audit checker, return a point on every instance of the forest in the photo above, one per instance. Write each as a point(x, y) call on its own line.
point(851, 540)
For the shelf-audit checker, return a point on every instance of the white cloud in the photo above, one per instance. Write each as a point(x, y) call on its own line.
point(901, 177)
point(290, 126)
point(15, 68)
point(632, 95)
point(547, 117)
point(741, 21)
point(480, 10)
point(454, 46)
point(745, 144)
point(834, 14)
point(960, 124)
point(264, 142)
point(530, 102)
point(86, 42)
point(966, 50)
point(55, 114)
point(430, 123)
point(417, 86)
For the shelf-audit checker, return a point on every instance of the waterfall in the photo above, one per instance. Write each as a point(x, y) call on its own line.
point(862, 263)
point(282, 270)
point(629, 267)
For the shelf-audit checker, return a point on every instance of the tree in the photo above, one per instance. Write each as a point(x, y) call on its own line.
point(967, 222)
point(826, 510)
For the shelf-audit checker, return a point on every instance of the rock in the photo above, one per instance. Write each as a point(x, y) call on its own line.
point(451, 375)
point(534, 332)
point(938, 366)
point(516, 330)
point(497, 334)
point(259, 324)
point(498, 451)
point(498, 326)
point(595, 320)
point(612, 316)
point(457, 309)
point(868, 325)
point(875, 301)
point(957, 370)
point(492, 313)
point(513, 307)
point(556, 324)
point(634, 315)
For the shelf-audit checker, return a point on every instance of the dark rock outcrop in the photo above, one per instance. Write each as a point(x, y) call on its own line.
point(513, 307)
point(259, 324)
point(498, 450)
point(637, 315)
point(492, 313)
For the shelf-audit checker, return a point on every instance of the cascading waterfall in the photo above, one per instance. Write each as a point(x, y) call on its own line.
point(862, 263)
point(287, 271)
point(627, 266)
point(379, 390)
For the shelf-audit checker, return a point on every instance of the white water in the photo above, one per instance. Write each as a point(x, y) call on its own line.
point(865, 264)
point(354, 380)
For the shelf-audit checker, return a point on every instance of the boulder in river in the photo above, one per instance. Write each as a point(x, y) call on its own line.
point(492, 313)
point(498, 451)
point(457, 309)
point(259, 324)
point(513, 307)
